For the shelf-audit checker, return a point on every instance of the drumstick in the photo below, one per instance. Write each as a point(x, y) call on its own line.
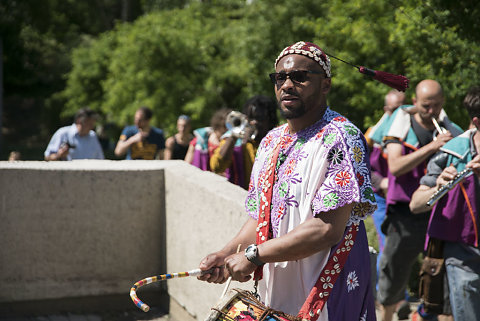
point(230, 277)
point(143, 306)
point(437, 126)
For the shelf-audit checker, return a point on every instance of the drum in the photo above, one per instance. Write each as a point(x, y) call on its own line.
point(241, 305)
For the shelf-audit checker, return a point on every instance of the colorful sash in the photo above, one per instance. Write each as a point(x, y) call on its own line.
point(320, 293)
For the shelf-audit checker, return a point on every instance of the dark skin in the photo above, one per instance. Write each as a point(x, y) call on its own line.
point(316, 234)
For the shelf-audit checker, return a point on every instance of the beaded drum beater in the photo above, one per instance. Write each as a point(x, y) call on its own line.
point(133, 291)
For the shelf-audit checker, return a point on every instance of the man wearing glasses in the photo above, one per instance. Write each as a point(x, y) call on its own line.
point(309, 193)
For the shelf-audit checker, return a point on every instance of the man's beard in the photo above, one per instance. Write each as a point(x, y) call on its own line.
point(294, 113)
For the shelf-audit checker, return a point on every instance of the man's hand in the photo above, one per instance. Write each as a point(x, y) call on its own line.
point(138, 137)
point(446, 176)
point(215, 261)
point(239, 267)
point(248, 131)
point(475, 165)
point(441, 139)
point(62, 151)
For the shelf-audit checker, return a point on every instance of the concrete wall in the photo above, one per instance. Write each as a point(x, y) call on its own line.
point(204, 211)
point(91, 228)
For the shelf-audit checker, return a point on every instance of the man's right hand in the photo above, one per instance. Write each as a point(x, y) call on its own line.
point(446, 176)
point(138, 137)
point(62, 152)
point(474, 164)
point(442, 139)
point(215, 261)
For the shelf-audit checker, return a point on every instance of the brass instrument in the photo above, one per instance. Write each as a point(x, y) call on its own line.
point(447, 187)
point(237, 122)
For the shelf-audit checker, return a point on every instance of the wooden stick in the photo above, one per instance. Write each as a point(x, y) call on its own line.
point(229, 280)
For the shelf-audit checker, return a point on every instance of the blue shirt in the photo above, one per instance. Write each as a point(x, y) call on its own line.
point(83, 147)
point(146, 149)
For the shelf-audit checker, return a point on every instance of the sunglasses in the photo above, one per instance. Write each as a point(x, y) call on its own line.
point(296, 76)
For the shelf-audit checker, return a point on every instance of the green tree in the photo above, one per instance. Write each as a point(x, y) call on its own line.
point(37, 39)
point(196, 56)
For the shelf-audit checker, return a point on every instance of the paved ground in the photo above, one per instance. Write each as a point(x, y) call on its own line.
point(130, 315)
point(177, 313)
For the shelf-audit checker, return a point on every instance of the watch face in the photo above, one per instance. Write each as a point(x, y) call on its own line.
point(251, 251)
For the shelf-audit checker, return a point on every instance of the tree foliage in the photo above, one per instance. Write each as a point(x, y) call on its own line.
point(197, 56)
point(37, 38)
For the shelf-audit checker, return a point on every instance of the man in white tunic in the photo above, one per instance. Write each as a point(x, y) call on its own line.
point(309, 193)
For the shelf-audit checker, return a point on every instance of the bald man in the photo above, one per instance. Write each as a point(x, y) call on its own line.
point(409, 143)
point(378, 163)
point(393, 100)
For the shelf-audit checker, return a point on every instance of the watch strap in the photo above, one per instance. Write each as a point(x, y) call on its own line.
point(255, 260)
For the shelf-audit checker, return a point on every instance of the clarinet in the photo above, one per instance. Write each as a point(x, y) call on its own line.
point(447, 187)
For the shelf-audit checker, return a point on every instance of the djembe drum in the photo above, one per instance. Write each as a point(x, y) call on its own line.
point(242, 305)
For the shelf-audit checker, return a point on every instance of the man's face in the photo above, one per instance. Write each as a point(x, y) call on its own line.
point(392, 102)
point(140, 120)
point(429, 106)
point(86, 126)
point(295, 99)
point(183, 126)
point(259, 119)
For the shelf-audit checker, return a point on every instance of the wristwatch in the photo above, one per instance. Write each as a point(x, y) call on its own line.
point(251, 253)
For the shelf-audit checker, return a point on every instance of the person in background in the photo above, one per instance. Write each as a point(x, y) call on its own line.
point(454, 218)
point(235, 155)
point(14, 156)
point(378, 162)
point(141, 141)
point(410, 140)
point(176, 147)
point(206, 140)
point(77, 141)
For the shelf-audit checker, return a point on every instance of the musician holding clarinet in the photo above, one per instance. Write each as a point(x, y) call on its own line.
point(410, 139)
point(451, 186)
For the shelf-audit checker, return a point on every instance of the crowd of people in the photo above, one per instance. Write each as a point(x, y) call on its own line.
point(223, 147)
point(410, 146)
point(312, 182)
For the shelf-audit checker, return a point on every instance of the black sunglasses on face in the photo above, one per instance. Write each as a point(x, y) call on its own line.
point(297, 76)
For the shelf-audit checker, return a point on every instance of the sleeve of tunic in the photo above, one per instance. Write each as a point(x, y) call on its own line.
point(347, 173)
point(434, 168)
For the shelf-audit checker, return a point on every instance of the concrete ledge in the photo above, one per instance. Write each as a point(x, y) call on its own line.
point(79, 230)
point(204, 212)
point(92, 228)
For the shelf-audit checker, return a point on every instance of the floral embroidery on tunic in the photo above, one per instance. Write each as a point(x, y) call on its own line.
point(326, 163)
point(352, 281)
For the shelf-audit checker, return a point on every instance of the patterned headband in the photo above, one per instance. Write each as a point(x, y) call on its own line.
point(310, 50)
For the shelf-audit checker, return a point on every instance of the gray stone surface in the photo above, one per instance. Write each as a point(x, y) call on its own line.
point(90, 228)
